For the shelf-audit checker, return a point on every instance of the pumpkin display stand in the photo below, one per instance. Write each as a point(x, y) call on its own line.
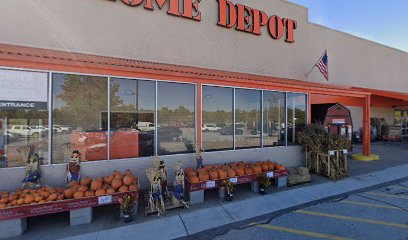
point(196, 190)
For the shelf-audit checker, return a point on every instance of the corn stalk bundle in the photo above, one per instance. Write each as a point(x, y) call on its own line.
point(318, 144)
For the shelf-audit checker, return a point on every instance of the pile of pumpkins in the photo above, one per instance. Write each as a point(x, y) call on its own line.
point(230, 170)
point(109, 184)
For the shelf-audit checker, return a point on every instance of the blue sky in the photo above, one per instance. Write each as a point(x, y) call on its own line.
point(383, 21)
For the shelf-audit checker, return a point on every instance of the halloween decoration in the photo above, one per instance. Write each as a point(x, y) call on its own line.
point(32, 171)
point(199, 157)
point(156, 193)
point(178, 190)
point(73, 167)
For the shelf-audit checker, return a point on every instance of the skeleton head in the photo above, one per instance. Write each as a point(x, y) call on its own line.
point(32, 162)
point(74, 157)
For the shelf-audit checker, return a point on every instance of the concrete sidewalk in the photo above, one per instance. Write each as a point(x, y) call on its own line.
point(189, 223)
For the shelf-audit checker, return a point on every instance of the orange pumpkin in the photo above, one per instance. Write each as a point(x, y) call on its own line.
point(116, 183)
point(12, 197)
point(194, 179)
point(69, 193)
point(264, 167)
point(256, 169)
point(42, 201)
point(86, 181)
point(280, 167)
point(129, 172)
point(201, 170)
point(89, 194)
point(190, 174)
point(271, 166)
point(96, 184)
point(78, 195)
point(2, 205)
point(240, 171)
point(44, 193)
point(72, 184)
point(230, 172)
point(208, 167)
point(28, 199)
point(213, 175)
point(83, 188)
point(52, 197)
point(248, 171)
point(127, 180)
point(60, 197)
point(124, 188)
point(203, 176)
point(38, 198)
point(118, 175)
point(100, 192)
point(222, 173)
point(13, 203)
point(110, 191)
point(188, 169)
point(133, 188)
point(4, 200)
point(108, 179)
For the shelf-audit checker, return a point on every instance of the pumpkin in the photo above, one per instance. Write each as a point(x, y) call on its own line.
point(118, 175)
point(96, 184)
point(25, 191)
point(129, 172)
point(271, 166)
point(100, 192)
point(124, 188)
point(256, 169)
point(13, 203)
point(208, 167)
point(248, 171)
point(44, 193)
point(28, 199)
point(116, 183)
point(222, 173)
point(188, 169)
point(106, 186)
point(73, 184)
point(4, 200)
point(52, 197)
point(69, 193)
point(201, 170)
point(231, 173)
point(38, 198)
point(83, 188)
point(280, 167)
point(127, 180)
point(240, 171)
point(86, 181)
point(2, 205)
point(42, 201)
point(78, 195)
point(213, 174)
point(5, 195)
point(60, 197)
point(111, 191)
point(108, 179)
point(194, 179)
point(264, 167)
point(133, 188)
point(203, 176)
point(20, 201)
point(134, 181)
point(89, 194)
point(192, 173)
point(23, 195)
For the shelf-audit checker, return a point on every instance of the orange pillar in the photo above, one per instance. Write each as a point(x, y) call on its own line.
point(199, 112)
point(366, 127)
point(309, 109)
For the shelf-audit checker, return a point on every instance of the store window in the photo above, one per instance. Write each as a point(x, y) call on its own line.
point(297, 117)
point(247, 118)
point(132, 118)
point(176, 118)
point(218, 118)
point(23, 117)
point(274, 117)
point(80, 104)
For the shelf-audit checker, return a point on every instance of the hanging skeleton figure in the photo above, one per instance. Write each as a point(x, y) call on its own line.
point(162, 170)
point(199, 157)
point(156, 192)
point(32, 172)
point(178, 191)
point(73, 167)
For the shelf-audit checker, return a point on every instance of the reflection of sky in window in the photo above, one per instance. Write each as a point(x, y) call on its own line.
point(248, 99)
point(217, 98)
point(297, 99)
point(174, 95)
point(273, 99)
point(128, 91)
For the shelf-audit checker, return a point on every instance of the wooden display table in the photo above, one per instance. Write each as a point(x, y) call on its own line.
point(13, 220)
point(196, 190)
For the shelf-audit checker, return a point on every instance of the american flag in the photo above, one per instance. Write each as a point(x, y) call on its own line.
point(323, 65)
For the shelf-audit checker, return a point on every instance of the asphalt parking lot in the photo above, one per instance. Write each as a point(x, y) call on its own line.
point(377, 214)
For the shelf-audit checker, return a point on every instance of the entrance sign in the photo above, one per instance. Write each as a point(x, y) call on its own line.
point(23, 90)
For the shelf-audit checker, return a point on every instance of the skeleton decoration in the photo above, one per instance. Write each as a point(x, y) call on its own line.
point(32, 172)
point(157, 176)
point(73, 167)
point(178, 191)
point(199, 156)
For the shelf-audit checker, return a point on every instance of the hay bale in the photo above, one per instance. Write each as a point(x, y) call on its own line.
point(297, 179)
point(302, 171)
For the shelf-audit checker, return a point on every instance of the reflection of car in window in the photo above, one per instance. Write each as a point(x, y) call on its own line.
point(211, 128)
point(169, 133)
point(228, 130)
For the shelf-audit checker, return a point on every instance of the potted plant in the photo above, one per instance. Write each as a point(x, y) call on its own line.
point(127, 207)
point(228, 187)
point(264, 182)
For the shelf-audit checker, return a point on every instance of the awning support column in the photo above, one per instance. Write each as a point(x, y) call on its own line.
point(366, 127)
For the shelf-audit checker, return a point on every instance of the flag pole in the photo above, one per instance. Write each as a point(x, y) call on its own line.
point(315, 64)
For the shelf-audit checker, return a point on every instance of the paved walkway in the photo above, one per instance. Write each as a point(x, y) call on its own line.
point(377, 214)
point(187, 224)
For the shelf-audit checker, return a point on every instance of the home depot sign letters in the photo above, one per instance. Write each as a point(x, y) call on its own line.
point(230, 15)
